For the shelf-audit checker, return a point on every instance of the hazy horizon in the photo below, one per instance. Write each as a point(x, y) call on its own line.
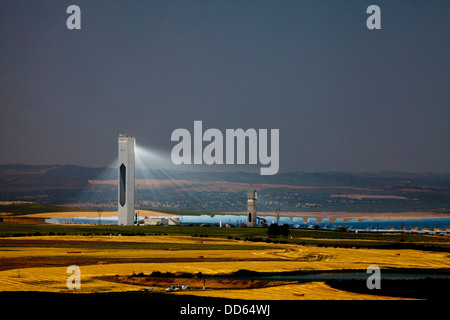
point(244, 169)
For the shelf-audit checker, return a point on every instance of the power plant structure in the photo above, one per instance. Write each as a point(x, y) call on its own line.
point(127, 146)
point(251, 208)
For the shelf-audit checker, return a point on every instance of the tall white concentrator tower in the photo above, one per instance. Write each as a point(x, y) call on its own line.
point(127, 144)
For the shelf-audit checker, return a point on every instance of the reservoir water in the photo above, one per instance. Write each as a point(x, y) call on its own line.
point(325, 276)
point(417, 225)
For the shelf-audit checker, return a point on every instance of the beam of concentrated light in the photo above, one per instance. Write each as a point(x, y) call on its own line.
point(156, 170)
point(149, 167)
point(160, 183)
point(101, 192)
point(166, 180)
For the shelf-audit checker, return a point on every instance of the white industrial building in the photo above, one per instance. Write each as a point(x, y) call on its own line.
point(159, 221)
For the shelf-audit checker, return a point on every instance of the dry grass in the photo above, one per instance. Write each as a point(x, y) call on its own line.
point(44, 268)
point(303, 291)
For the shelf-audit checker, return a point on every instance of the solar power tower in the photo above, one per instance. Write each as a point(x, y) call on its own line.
point(127, 145)
point(251, 208)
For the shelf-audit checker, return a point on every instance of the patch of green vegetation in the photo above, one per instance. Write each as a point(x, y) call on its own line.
point(319, 238)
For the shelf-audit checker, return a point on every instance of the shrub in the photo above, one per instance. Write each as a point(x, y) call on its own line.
point(275, 230)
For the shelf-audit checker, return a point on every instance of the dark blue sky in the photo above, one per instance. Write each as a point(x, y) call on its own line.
point(344, 98)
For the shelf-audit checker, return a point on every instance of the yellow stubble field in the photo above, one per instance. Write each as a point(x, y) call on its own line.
point(45, 268)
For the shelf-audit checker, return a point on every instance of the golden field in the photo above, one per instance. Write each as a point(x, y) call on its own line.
point(40, 263)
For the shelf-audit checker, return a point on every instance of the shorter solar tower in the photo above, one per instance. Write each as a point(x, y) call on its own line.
point(127, 144)
point(251, 208)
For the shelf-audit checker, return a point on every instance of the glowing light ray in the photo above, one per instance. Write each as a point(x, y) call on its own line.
point(144, 165)
point(159, 163)
point(104, 196)
point(155, 165)
point(159, 184)
point(179, 187)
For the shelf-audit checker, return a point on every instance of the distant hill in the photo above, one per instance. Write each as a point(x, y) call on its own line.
point(218, 191)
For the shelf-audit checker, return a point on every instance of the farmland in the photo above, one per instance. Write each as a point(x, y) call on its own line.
point(36, 257)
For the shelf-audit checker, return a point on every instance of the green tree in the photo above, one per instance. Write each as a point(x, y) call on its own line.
point(273, 230)
point(284, 230)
